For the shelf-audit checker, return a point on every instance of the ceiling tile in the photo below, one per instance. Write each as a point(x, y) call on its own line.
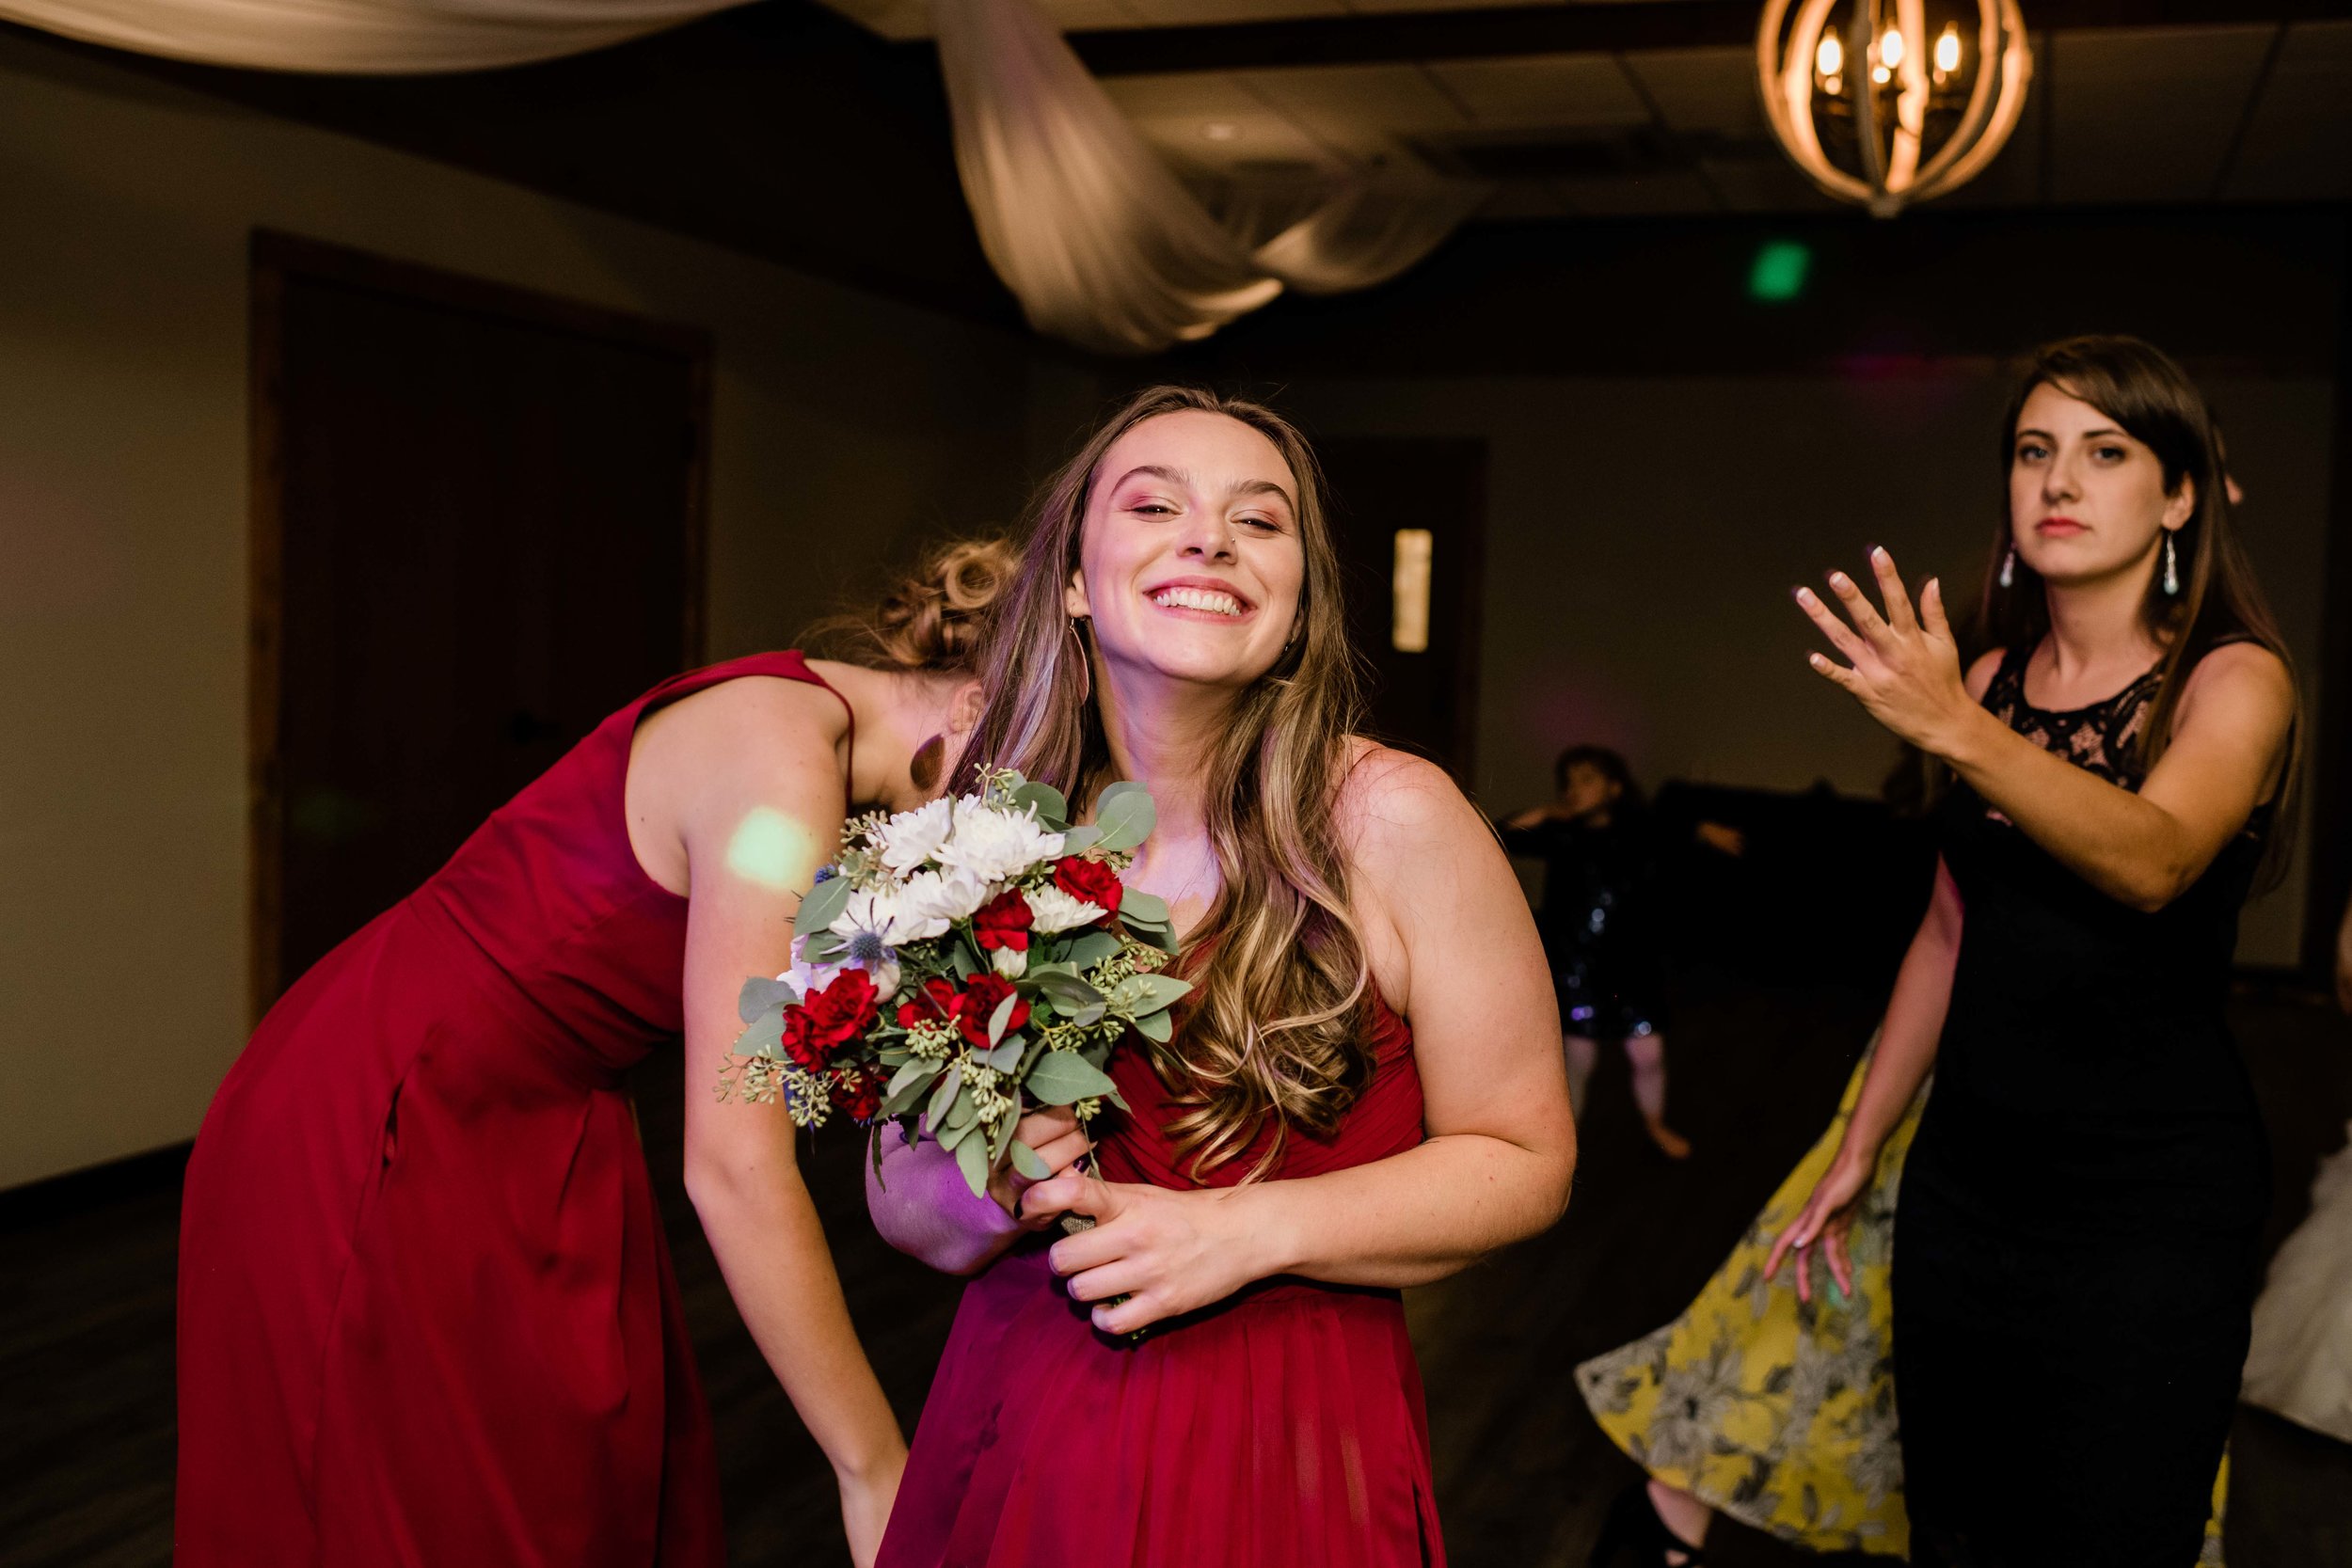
point(2147, 114)
point(1524, 199)
point(1544, 91)
point(2015, 177)
point(1439, 5)
point(1202, 13)
point(1086, 16)
point(2298, 146)
point(1764, 186)
point(1258, 137)
point(1701, 89)
point(1352, 102)
point(1195, 95)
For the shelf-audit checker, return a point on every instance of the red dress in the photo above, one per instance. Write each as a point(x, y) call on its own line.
point(1282, 1428)
point(426, 1313)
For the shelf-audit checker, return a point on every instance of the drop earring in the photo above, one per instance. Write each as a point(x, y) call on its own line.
point(2172, 570)
point(2008, 567)
point(1086, 666)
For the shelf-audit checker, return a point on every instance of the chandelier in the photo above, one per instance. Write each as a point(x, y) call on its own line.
point(1885, 102)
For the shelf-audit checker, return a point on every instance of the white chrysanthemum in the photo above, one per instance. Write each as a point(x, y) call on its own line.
point(996, 845)
point(929, 901)
point(1010, 963)
point(1050, 909)
point(910, 838)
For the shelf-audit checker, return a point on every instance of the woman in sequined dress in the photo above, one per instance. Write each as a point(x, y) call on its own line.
point(2081, 1205)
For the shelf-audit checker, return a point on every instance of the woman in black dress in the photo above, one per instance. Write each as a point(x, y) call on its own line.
point(2077, 1230)
point(1600, 924)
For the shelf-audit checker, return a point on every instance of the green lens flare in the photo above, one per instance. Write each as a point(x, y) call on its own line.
point(1779, 271)
point(773, 850)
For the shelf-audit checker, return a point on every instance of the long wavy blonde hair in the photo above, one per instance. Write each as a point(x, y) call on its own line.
point(1272, 1031)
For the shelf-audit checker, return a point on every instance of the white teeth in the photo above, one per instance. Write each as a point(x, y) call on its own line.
point(1197, 598)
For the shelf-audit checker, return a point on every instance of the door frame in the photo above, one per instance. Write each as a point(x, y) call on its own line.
point(274, 259)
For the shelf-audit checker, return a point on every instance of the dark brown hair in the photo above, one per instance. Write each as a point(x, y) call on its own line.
point(2151, 398)
point(1272, 1029)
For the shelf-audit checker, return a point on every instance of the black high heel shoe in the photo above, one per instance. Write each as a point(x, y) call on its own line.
point(1635, 1537)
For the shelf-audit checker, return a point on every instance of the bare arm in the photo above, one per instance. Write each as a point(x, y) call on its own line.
point(1454, 947)
point(2142, 849)
point(751, 776)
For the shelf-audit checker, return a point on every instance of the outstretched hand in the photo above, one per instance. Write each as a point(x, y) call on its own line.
point(1904, 668)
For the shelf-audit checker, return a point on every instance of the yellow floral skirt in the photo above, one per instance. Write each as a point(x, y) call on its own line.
point(1780, 1413)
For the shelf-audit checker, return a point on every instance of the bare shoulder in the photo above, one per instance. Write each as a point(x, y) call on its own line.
point(2240, 678)
point(1981, 670)
point(749, 721)
point(1394, 807)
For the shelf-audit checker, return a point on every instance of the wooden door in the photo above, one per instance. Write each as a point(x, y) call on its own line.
point(1409, 516)
point(478, 521)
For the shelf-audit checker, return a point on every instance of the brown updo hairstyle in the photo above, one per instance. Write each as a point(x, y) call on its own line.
point(932, 620)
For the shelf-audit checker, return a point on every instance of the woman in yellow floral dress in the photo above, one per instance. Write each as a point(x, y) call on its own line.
point(1773, 1406)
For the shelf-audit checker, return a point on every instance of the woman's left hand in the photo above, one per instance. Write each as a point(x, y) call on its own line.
point(1904, 668)
point(1168, 1253)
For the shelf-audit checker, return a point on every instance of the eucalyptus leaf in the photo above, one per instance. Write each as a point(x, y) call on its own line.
point(1001, 1019)
point(1052, 809)
point(1026, 1162)
point(823, 946)
point(1137, 908)
point(1126, 819)
point(822, 907)
point(974, 1161)
point(1040, 968)
point(765, 1038)
point(759, 994)
point(944, 1094)
point(1064, 1078)
point(1069, 993)
point(1005, 1056)
point(999, 1139)
point(1155, 1027)
point(1139, 994)
point(1090, 1015)
point(1092, 948)
point(951, 1138)
point(907, 1077)
point(1084, 836)
point(966, 965)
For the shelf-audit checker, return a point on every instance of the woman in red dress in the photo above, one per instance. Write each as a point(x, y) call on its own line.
point(1365, 1090)
point(427, 1314)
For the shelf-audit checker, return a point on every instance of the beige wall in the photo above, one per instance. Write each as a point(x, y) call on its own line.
point(844, 426)
point(1642, 536)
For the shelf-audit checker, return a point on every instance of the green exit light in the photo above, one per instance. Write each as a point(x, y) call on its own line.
point(1779, 271)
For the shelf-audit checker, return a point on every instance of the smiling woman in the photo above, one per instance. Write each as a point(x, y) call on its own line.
point(1362, 1092)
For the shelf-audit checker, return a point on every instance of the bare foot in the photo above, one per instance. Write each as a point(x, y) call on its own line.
point(1672, 1145)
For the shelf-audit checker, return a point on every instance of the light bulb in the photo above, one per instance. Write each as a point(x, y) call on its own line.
point(1948, 50)
point(1891, 49)
point(1829, 59)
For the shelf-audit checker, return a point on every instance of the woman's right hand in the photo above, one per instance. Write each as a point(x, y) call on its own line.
point(1824, 1223)
point(1059, 1141)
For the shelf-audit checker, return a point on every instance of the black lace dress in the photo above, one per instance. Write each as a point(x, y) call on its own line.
point(2076, 1242)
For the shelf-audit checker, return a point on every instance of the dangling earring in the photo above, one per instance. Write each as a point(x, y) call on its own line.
point(1085, 665)
point(2008, 567)
point(2172, 570)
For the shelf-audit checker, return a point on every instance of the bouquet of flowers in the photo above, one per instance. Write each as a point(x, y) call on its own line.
point(959, 965)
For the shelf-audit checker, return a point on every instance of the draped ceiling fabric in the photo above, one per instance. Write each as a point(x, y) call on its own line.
point(1103, 244)
point(1090, 227)
point(358, 37)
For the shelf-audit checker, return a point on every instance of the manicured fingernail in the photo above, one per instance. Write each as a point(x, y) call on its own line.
point(1819, 663)
point(1804, 595)
point(1840, 580)
point(1878, 552)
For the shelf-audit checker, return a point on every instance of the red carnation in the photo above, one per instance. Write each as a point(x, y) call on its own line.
point(1091, 882)
point(1003, 921)
point(839, 1014)
point(859, 1095)
point(798, 1043)
point(982, 993)
point(937, 1002)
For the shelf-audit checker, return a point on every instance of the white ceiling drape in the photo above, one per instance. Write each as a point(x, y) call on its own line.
point(358, 37)
point(1104, 246)
point(1091, 229)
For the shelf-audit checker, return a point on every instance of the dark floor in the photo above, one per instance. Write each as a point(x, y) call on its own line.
point(85, 1418)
